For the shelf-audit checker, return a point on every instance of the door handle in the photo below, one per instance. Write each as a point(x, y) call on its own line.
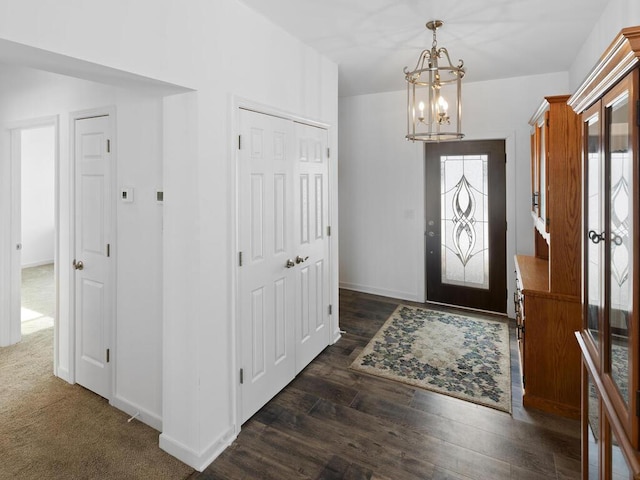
point(299, 259)
point(290, 263)
point(596, 237)
point(78, 265)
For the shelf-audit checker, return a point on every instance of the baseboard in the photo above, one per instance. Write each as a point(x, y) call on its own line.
point(64, 374)
point(141, 414)
point(196, 460)
point(412, 297)
point(37, 264)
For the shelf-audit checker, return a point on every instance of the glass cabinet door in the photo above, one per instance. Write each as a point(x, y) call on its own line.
point(620, 206)
point(535, 188)
point(592, 432)
point(594, 235)
point(542, 173)
point(618, 469)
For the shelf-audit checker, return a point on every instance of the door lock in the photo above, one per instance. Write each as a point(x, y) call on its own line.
point(299, 259)
point(78, 265)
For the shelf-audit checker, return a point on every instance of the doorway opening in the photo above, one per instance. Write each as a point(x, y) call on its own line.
point(37, 158)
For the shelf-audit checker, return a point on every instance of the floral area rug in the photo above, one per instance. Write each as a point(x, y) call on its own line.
point(464, 357)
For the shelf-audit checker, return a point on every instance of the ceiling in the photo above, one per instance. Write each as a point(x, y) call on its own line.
point(373, 40)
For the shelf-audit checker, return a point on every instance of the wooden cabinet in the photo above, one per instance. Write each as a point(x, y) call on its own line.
point(609, 337)
point(548, 308)
point(549, 356)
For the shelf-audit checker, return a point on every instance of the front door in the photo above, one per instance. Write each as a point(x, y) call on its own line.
point(466, 224)
point(92, 262)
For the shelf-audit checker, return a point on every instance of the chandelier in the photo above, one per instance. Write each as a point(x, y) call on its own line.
point(433, 94)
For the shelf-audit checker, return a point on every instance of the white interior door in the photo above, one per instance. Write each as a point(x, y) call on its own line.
point(93, 269)
point(311, 243)
point(266, 285)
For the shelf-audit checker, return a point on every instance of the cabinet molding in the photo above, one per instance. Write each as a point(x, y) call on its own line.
point(622, 55)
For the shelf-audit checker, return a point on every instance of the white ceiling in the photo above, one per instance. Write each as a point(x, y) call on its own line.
point(373, 40)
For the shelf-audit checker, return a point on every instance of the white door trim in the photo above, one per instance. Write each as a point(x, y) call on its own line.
point(10, 321)
point(73, 116)
point(238, 103)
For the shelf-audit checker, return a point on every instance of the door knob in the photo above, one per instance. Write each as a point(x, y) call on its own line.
point(290, 263)
point(78, 265)
point(299, 259)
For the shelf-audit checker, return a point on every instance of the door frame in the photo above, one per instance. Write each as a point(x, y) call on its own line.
point(10, 321)
point(238, 103)
point(109, 111)
point(512, 199)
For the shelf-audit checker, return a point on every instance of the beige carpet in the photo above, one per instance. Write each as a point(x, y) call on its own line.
point(52, 430)
point(461, 356)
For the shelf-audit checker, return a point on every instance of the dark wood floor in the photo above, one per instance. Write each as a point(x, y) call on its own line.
point(333, 423)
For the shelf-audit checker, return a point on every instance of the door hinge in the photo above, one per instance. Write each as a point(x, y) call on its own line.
point(328, 152)
point(507, 292)
point(330, 309)
point(328, 230)
point(239, 259)
point(108, 249)
point(241, 376)
point(638, 112)
point(637, 403)
point(239, 142)
point(107, 355)
point(523, 382)
point(108, 146)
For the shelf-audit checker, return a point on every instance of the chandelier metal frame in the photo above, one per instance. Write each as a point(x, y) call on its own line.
point(433, 71)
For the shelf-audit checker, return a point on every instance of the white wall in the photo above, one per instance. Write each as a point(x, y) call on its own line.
point(382, 180)
point(223, 50)
point(27, 94)
point(38, 195)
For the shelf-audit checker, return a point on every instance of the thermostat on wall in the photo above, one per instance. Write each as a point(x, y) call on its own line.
point(126, 195)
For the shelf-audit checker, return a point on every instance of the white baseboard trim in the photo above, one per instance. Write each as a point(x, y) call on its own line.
point(196, 460)
point(142, 414)
point(37, 264)
point(64, 374)
point(381, 291)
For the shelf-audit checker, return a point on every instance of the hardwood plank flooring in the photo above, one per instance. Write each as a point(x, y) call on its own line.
point(334, 423)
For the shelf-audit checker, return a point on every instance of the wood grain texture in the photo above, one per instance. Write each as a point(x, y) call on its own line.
point(564, 167)
point(549, 351)
point(335, 423)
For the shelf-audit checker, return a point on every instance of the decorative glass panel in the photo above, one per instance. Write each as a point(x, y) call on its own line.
point(594, 227)
point(620, 243)
point(465, 222)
